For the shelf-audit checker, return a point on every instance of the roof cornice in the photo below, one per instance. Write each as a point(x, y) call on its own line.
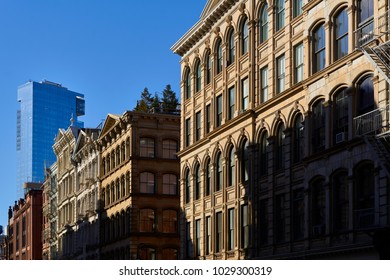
point(202, 27)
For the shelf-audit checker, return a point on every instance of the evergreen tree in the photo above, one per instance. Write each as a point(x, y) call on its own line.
point(155, 104)
point(169, 99)
point(145, 103)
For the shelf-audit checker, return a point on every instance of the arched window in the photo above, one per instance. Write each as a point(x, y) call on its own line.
point(117, 189)
point(279, 147)
point(318, 124)
point(146, 147)
point(219, 176)
point(198, 180)
point(231, 47)
point(208, 68)
point(365, 96)
point(187, 184)
point(147, 220)
point(263, 160)
point(198, 84)
point(112, 160)
point(147, 183)
point(218, 49)
point(318, 207)
point(208, 177)
point(340, 116)
point(128, 182)
point(245, 37)
point(170, 184)
point(118, 156)
point(298, 138)
point(263, 23)
point(280, 11)
point(319, 49)
point(364, 190)
point(341, 34)
point(187, 81)
point(169, 149)
point(123, 152)
point(169, 221)
point(104, 166)
point(245, 161)
point(340, 203)
point(231, 167)
point(108, 164)
point(108, 195)
point(123, 186)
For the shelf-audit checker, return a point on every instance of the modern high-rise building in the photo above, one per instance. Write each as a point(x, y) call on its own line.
point(44, 108)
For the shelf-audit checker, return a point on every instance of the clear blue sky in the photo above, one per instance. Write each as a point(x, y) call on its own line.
point(108, 50)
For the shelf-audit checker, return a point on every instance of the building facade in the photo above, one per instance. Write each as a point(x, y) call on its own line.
point(139, 195)
point(25, 226)
point(44, 108)
point(285, 120)
point(49, 214)
point(77, 193)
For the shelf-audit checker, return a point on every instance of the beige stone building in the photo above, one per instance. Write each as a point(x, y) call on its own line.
point(49, 214)
point(77, 193)
point(139, 193)
point(285, 111)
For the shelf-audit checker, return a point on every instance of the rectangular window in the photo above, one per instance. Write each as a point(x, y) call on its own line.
point(244, 227)
point(231, 229)
point(245, 93)
point(297, 8)
point(298, 63)
point(264, 84)
point(263, 221)
point(188, 132)
point(198, 125)
point(279, 219)
point(219, 111)
point(232, 105)
point(208, 235)
point(208, 118)
point(218, 237)
point(197, 237)
point(280, 14)
point(280, 74)
point(298, 214)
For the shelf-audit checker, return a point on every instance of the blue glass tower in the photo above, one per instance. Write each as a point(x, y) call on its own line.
point(44, 108)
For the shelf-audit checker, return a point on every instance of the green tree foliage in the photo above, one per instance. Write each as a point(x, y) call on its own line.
point(169, 99)
point(149, 103)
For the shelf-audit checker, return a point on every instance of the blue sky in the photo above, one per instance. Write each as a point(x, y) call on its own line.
point(108, 50)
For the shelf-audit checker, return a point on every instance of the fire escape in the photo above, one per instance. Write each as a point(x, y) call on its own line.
point(373, 39)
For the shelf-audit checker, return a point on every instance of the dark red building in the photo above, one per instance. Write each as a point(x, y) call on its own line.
point(25, 225)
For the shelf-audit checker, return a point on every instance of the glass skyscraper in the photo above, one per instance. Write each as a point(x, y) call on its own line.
point(44, 108)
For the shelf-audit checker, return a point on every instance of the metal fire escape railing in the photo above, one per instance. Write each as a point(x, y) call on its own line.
point(373, 41)
point(374, 128)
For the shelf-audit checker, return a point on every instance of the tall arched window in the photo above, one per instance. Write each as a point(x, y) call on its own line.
point(208, 67)
point(364, 193)
point(365, 96)
point(187, 185)
point(198, 69)
point(280, 14)
point(208, 177)
point(187, 81)
point(318, 207)
point(298, 139)
point(279, 147)
point(340, 116)
point(245, 161)
point(231, 47)
point(219, 176)
point(198, 180)
point(245, 37)
point(218, 49)
point(341, 34)
point(263, 161)
point(340, 203)
point(231, 168)
point(263, 23)
point(318, 125)
point(319, 49)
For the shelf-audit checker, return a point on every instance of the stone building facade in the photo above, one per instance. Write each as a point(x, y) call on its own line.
point(139, 195)
point(285, 120)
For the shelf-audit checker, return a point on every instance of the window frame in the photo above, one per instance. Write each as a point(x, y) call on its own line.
point(319, 48)
point(263, 24)
point(280, 74)
point(298, 63)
